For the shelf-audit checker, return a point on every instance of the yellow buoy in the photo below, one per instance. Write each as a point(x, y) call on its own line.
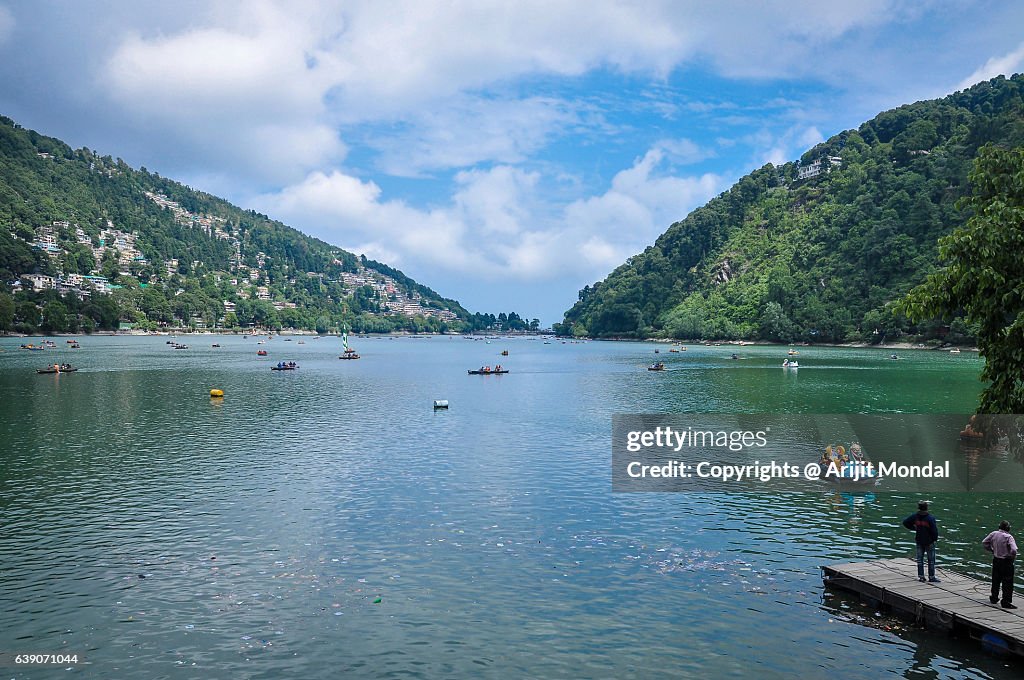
point(216, 393)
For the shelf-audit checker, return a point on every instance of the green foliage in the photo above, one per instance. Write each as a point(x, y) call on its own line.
point(819, 259)
point(6, 313)
point(983, 277)
point(55, 317)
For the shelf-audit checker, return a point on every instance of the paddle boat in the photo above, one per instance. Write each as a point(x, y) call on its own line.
point(852, 467)
point(955, 350)
point(786, 363)
point(261, 353)
point(657, 366)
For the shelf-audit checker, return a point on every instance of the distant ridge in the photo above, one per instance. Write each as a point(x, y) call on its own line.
point(114, 245)
point(814, 250)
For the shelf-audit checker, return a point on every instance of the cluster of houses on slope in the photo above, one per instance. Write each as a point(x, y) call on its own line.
point(391, 296)
point(124, 245)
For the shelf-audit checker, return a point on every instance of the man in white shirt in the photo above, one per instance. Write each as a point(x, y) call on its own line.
point(1004, 551)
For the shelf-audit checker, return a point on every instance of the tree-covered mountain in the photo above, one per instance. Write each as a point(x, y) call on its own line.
point(101, 244)
point(814, 250)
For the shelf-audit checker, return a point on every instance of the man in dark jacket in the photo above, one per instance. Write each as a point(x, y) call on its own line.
point(927, 532)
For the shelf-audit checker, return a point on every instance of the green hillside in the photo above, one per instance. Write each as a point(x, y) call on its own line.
point(780, 257)
point(100, 244)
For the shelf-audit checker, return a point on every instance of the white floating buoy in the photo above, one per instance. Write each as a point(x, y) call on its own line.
point(440, 403)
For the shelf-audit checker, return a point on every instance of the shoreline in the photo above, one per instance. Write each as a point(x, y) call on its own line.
point(768, 343)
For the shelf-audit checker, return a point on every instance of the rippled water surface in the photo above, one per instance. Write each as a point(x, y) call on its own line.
point(328, 522)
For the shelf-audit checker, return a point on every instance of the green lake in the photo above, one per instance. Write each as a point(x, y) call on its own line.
point(328, 522)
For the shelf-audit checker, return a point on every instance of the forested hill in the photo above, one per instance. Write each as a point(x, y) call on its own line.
point(815, 249)
point(111, 245)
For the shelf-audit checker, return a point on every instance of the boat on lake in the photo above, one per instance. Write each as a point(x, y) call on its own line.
point(62, 368)
point(34, 348)
point(349, 352)
point(285, 366)
point(955, 350)
point(792, 352)
point(487, 370)
point(656, 367)
point(852, 467)
point(261, 353)
point(786, 363)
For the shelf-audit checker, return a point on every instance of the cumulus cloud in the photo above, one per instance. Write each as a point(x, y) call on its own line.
point(420, 72)
point(496, 225)
point(1006, 65)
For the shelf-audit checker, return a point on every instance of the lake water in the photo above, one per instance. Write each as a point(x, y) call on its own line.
point(159, 533)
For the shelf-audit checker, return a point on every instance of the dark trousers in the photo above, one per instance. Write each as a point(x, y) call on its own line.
point(1002, 574)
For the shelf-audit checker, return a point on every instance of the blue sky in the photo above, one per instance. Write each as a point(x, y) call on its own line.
point(505, 154)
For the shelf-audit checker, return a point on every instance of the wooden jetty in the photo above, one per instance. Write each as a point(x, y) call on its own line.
point(959, 604)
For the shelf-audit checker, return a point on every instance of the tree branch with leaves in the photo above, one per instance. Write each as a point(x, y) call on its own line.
point(983, 276)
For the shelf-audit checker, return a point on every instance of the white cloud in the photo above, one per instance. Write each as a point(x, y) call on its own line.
point(467, 130)
point(1007, 65)
point(496, 226)
point(778, 149)
point(246, 97)
point(419, 72)
point(641, 203)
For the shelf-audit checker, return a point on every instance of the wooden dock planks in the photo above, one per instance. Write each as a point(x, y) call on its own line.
point(957, 603)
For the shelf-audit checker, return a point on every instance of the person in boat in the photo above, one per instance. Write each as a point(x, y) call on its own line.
point(972, 430)
point(856, 453)
point(497, 368)
point(56, 367)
